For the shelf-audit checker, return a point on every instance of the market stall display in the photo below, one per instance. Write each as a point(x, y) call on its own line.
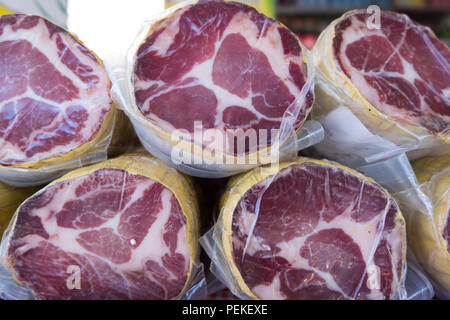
point(221, 91)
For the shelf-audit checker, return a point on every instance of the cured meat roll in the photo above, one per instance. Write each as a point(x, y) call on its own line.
point(55, 104)
point(121, 229)
point(429, 233)
point(226, 66)
point(395, 79)
point(311, 230)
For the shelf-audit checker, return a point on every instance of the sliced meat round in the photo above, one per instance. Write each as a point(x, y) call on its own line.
point(121, 229)
point(314, 230)
point(54, 98)
point(226, 65)
point(401, 68)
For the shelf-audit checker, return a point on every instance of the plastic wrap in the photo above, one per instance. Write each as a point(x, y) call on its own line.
point(417, 284)
point(424, 201)
point(280, 248)
point(426, 208)
point(356, 131)
point(139, 172)
point(186, 152)
point(44, 167)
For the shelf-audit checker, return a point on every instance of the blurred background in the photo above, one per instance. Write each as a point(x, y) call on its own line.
point(110, 25)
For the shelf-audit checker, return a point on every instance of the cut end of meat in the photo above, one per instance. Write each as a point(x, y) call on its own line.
point(317, 231)
point(226, 65)
point(401, 68)
point(109, 235)
point(55, 93)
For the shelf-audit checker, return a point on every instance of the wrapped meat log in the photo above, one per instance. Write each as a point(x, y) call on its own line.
point(121, 229)
point(381, 89)
point(56, 112)
point(310, 230)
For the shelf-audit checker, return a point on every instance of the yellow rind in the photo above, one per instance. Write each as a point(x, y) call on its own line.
point(425, 230)
point(239, 185)
point(104, 132)
point(179, 184)
point(5, 10)
point(193, 148)
point(379, 123)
